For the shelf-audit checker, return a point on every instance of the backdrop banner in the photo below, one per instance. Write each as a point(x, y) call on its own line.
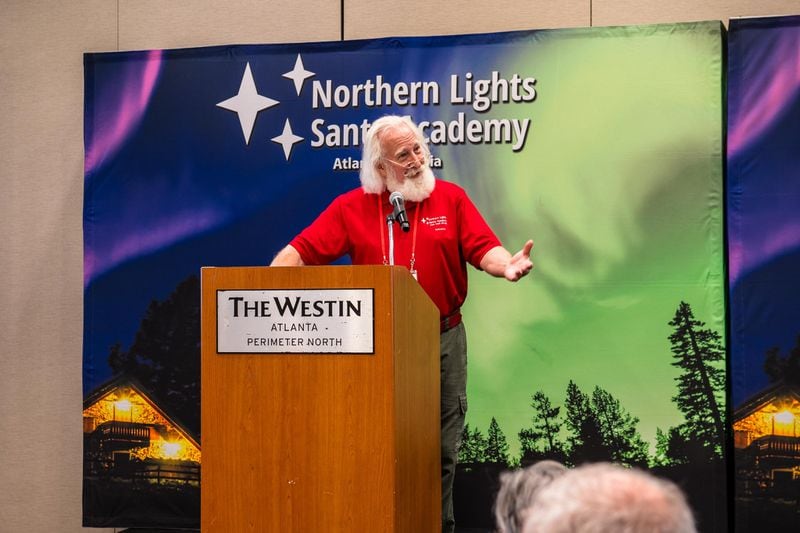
point(604, 145)
point(763, 195)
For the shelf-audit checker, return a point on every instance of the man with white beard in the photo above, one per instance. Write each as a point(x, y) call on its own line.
point(446, 232)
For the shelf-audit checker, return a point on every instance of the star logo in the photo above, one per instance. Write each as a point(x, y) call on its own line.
point(287, 139)
point(299, 74)
point(247, 103)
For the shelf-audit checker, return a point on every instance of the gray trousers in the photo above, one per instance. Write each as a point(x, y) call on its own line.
point(453, 350)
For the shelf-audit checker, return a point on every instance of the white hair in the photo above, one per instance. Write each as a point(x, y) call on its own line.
point(373, 154)
point(518, 489)
point(606, 498)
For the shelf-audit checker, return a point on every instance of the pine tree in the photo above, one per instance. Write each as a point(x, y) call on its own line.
point(546, 422)
point(698, 352)
point(683, 448)
point(586, 442)
point(529, 449)
point(618, 429)
point(661, 456)
point(473, 445)
point(545, 430)
point(783, 368)
point(496, 445)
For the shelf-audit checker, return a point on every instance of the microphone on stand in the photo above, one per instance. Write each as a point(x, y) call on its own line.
point(399, 213)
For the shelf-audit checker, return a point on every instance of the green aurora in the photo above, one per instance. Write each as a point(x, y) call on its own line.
point(620, 187)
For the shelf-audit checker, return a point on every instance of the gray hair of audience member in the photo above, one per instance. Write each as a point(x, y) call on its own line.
point(372, 153)
point(605, 498)
point(517, 491)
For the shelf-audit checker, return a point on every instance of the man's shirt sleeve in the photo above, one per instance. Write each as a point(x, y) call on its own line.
point(475, 235)
point(325, 240)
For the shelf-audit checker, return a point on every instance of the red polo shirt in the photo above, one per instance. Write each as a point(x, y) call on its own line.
point(450, 232)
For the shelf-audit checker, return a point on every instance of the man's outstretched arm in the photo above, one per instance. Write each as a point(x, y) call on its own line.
point(288, 257)
point(501, 264)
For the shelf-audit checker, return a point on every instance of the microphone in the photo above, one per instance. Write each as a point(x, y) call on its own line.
point(399, 214)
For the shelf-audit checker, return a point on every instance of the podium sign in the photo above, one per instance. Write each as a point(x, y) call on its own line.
point(296, 321)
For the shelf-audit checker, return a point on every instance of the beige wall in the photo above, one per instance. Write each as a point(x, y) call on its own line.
point(41, 163)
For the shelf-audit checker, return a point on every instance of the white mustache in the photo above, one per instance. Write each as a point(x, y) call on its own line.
point(414, 172)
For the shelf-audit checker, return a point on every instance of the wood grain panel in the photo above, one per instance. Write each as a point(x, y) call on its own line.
point(316, 435)
point(417, 407)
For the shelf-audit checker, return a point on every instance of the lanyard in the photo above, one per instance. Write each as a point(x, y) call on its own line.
point(413, 259)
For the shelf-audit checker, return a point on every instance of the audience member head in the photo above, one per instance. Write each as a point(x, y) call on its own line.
point(517, 491)
point(607, 498)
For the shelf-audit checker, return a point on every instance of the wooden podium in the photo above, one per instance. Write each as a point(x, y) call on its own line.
point(328, 442)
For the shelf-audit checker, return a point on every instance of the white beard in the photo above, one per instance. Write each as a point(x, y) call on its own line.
point(413, 189)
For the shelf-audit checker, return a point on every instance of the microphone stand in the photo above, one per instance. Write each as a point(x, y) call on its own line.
point(389, 222)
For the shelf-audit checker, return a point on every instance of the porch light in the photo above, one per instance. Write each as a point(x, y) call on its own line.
point(172, 449)
point(123, 406)
point(783, 424)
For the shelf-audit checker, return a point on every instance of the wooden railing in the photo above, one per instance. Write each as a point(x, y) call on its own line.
point(124, 431)
point(151, 472)
point(168, 473)
point(778, 445)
